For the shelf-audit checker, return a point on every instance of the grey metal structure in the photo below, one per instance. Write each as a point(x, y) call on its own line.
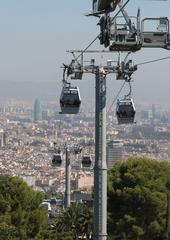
point(57, 163)
point(129, 33)
point(67, 179)
point(129, 36)
point(100, 166)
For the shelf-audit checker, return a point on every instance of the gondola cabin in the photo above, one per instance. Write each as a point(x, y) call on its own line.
point(78, 149)
point(125, 111)
point(70, 100)
point(104, 5)
point(86, 161)
point(56, 160)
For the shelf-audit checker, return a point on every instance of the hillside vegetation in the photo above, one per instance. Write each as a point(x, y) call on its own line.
point(138, 207)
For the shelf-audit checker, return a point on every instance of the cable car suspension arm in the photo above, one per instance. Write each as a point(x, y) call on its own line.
point(130, 90)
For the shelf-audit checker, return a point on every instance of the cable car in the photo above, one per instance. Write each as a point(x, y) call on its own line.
point(70, 100)
point(125, 111)
point(56, 160)
point(104, 5)
point(78, 149)
point(86, 161)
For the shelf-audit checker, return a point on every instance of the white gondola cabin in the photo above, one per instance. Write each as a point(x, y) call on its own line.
point(70, 100)
point(125, 111)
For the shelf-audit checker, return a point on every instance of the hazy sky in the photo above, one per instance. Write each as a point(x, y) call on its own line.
point(35, 34)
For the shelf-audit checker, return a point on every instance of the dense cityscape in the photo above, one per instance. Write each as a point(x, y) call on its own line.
point(29, 131)
point(72, 166)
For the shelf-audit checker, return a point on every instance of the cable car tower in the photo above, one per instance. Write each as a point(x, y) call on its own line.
point(118, 33)
point(100, 166)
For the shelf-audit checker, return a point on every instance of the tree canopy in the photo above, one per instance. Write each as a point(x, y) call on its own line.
point(138, 207)
point(21, 216)
point(138, 199)
point(76, 219)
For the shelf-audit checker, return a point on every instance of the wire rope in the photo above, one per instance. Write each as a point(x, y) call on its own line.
point(151, 61)
point(87, 47)
point(116, 97)
point(139, 64)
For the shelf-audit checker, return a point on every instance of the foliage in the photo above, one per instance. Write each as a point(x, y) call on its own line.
point(138, 207)
point(137, 200)
point(76, 219)
point(51, 234)
point(20, 214)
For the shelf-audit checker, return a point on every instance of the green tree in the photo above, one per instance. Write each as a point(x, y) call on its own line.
point(76, 219)
point(138, 199)
point(21, 216)
point(167, 229)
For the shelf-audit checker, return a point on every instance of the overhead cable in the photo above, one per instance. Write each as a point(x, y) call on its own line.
point(116, 97)
point(151, 61)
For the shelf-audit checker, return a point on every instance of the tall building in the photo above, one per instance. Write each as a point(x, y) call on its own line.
point(153, 114)
point(153, 111)
point(114, 152)
point(37, 115)
point(44, 115)
point(2, 138)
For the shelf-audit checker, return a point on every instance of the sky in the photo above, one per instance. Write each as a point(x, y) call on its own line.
point(35, 35)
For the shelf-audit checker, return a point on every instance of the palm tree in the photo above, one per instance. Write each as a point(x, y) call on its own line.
point(77, 219)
